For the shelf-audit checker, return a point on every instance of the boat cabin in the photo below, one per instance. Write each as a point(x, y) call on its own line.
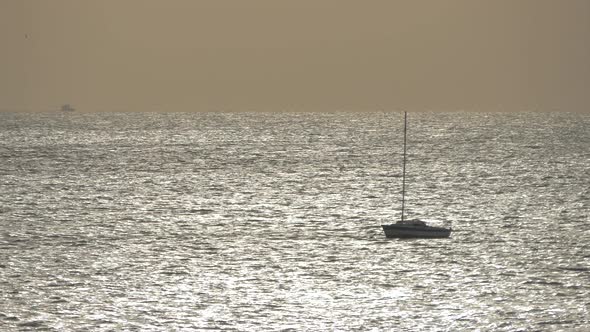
point(415, 222)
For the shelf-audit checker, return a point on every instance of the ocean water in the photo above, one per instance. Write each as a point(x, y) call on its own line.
point(272, 221)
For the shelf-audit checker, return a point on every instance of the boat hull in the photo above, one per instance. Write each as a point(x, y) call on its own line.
point(413, 231)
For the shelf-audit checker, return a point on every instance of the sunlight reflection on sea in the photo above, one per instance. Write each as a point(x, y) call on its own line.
point(250, 221)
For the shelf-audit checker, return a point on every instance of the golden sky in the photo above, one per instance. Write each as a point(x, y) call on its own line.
point(201, 55)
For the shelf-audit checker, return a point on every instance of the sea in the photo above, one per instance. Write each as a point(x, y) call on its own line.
point(254, 221)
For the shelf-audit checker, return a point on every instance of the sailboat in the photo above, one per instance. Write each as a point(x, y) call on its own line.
point(414, 228)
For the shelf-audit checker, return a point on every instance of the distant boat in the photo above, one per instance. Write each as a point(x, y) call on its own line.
point(412, 228)
point(67, 108)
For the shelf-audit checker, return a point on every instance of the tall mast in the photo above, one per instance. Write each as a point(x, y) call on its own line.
point(404, 167)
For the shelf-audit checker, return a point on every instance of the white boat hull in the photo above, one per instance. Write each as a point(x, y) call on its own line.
point(415, 231)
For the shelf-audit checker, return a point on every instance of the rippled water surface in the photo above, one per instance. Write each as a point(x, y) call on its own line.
point(256, 221)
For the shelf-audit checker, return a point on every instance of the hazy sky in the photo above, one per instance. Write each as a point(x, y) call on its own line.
point(295, 55)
